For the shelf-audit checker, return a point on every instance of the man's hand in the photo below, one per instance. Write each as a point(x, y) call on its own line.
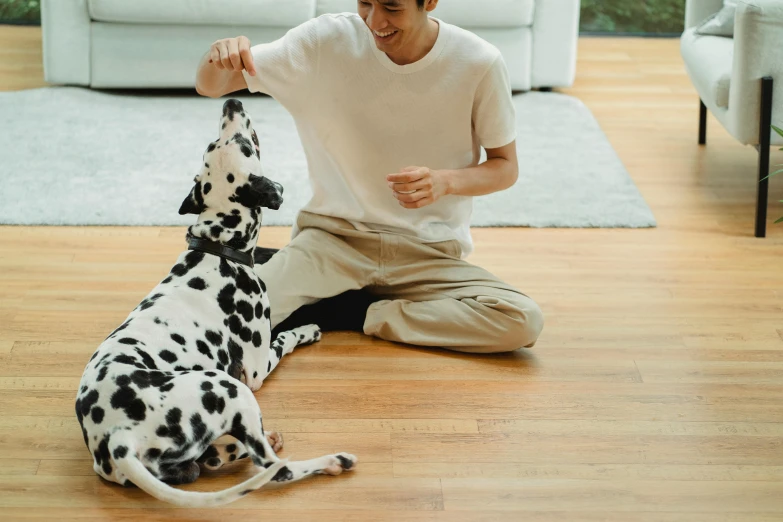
point(416, 187)
point(232, 54)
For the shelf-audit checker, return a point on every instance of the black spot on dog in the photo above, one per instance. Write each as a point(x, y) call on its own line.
point(212, 402)
point(87, 402)
point(216, 338)
point(102, 373)
point(244, 145)
point(211, 147)
point(179, 270)
point(198, 426)
point(256, 339)
point(167, 356)
point(246, 284)
point(120, 452)
point(207, 188)
point(230, 178)
point(213, 462)
point(223, 357)
point(127, 340)
point(238, 430)
point(226, 270)
point(147, 359)
point(153, 453)
point(206, 386)
point(178, 339)
point(210, 374)
point(231, 221)
point(197, 284)
point(232, 390)
point(259, 310)
point(231, 448)
point(283, 475)
point(245, 492)
point(203, 348)
point(226, 299)
point(97, 414)
point(255, 374)
point(232, 458)
point(345, 463)
point(125, 398)
point(103, 451)
point(245, 309)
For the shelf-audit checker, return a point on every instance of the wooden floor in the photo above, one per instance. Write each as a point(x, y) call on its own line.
point(655, 392)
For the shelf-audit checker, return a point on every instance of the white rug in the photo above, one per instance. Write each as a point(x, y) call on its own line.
point(74, 156)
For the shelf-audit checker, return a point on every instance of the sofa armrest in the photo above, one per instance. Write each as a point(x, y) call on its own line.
point(555, 36)
point(65, 28)
point(758, 52)
point(696, 11)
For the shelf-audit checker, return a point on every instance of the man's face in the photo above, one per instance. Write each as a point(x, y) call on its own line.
point(394, 23)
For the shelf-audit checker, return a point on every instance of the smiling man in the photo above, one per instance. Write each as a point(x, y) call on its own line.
point(392, 106)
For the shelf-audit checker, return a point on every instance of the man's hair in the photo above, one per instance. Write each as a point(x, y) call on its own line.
point(420, 3)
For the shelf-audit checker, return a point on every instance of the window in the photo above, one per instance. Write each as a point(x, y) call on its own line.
point(653, 17)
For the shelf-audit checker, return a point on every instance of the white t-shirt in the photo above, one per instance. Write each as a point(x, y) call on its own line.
point(361, 117)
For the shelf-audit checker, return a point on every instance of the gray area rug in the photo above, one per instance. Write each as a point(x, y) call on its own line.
point(74, 156)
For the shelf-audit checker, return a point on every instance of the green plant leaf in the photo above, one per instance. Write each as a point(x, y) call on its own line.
point(779, 221)
point(776, 172)
point(778, 130)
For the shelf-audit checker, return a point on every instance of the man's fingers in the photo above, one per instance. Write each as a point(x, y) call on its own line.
point(422, 184)
point(233, 54)
point(412, 197)
point(214, 55)
point(247, 57)
point(224, 59)
point(418, 204)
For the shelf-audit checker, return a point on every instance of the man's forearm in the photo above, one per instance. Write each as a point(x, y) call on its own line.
point(493, 175)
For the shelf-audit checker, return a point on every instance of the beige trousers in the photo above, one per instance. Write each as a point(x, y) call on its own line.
point(428, 295)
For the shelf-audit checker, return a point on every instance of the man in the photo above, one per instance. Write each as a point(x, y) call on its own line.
point(392, 106)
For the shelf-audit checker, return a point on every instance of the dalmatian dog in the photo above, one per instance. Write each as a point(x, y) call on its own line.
point(180, 371)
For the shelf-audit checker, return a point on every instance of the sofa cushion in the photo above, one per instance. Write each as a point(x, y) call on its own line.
point(708, 60)
point(267, 13)
point(463, 13)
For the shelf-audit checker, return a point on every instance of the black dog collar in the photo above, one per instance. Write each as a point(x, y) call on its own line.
point(211, 247)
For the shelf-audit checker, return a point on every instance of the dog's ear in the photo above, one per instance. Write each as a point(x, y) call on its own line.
point(194, 202)
point(270, 194)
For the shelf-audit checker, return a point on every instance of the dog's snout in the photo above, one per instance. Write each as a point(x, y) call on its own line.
point(232, 106)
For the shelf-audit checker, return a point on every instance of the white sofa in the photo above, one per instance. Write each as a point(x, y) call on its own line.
point(740, 79)
point(158, 43)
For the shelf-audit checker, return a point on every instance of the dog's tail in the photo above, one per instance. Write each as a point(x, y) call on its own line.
point(129, 465)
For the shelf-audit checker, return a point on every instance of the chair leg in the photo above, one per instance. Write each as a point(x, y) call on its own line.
point(765, 128)
point(702, 123)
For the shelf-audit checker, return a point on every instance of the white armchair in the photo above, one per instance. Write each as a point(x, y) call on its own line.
point(740, 79)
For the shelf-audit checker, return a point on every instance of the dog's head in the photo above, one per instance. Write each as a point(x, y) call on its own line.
point(230, 189)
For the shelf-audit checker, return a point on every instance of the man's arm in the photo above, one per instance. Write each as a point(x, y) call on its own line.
point(220, 69)
point(499, 172)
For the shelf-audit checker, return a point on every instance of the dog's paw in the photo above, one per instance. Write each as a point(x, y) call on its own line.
point(309, 333)
point(275, 440)
point(339, 463)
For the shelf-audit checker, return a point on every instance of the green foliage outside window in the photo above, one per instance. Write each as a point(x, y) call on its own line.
point(20, 11)
point(602, 16)
point(633, 16)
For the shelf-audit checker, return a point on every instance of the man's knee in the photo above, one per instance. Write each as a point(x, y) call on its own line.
point(519, 324)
